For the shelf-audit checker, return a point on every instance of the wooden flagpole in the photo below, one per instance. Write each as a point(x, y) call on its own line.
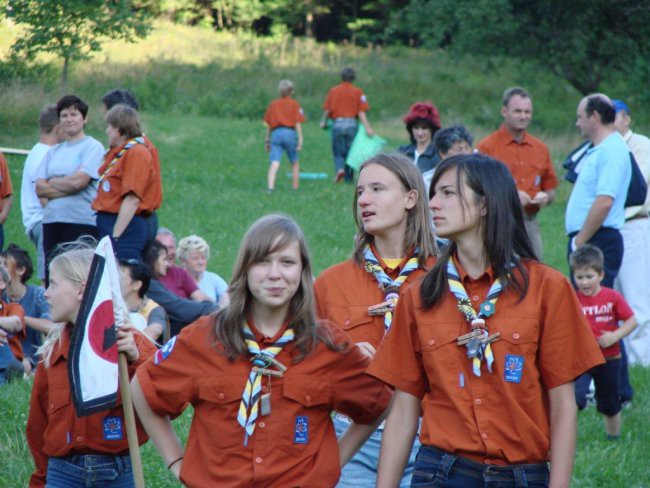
point(129, 420)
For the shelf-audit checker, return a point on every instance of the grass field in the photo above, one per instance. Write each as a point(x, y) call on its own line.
point(214, 171)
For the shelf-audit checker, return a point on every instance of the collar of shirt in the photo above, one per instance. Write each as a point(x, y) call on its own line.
point(391, 271)
point(261, 338)
point(62, 347)
point(466, 279)
point(506, 136)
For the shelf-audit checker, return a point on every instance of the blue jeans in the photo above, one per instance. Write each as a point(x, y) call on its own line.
point(436, 468)
point(361, 470)
point(130, 245)
point(343, 132)
point(89, 471)
point(35, 235)
point(284, 139)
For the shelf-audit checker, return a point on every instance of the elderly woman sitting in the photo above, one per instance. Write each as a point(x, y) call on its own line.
point(193, 254)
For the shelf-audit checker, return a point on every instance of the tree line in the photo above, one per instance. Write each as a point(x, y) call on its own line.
point(586, 42)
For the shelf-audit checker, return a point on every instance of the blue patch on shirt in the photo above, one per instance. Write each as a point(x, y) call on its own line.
point(164, 352)
point(514, 368)
point(301, 434)
point(113, 429)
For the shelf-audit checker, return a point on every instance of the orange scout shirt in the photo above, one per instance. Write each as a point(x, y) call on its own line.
point(346, 290)
point(283, 112)
point(6, 188)
point(53, 428)
point(15, 340)
point(193, 370)
point(529, 161)
point(134, 172)
point(498, 418)
point(345, 100)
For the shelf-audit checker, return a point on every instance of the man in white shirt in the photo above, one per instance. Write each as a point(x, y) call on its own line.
point(634, 276)
point(30, 204)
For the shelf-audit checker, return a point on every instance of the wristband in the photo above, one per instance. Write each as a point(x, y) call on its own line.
point(174, 462)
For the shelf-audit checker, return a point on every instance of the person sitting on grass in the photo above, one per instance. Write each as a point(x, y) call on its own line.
point(12, 332)
point(30, 297)
point(193, 254)
point(146, 315)
point(283, 119)
point(604, 309)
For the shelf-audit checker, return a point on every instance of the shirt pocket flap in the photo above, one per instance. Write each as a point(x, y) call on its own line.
point(59, 398)
point(306, 390)
point(521, 330)
point(437, 335)
point(223, 390)
point(354, 317)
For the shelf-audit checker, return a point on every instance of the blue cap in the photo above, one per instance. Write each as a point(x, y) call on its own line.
point(621, 105)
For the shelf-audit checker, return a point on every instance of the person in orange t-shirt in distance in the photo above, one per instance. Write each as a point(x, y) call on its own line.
point(263, 376)
point(345, 104)
point(527, 157)
point(283, 120)
point(6, 197)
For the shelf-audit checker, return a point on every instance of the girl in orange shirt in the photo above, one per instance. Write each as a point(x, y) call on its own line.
point(263, 376)
point(487, 346)
point(394, 246)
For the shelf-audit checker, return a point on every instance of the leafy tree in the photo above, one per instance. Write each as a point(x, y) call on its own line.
point(583, 41)
point(73, 29)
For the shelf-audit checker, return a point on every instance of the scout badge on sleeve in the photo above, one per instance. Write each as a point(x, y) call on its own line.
point(253, 401)
point(479, 339)
point(389, 287)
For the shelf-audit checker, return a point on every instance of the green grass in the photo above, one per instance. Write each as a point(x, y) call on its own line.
point(203, 97)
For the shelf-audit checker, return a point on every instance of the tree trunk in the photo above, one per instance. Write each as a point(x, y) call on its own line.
point(64, 74)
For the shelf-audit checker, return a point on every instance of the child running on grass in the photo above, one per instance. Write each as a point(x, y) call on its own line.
point(604, 309)
point(283, 119)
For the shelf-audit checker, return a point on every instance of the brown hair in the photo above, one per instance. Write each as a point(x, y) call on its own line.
point(419, 231)
point(270, 234)
point(125, 120)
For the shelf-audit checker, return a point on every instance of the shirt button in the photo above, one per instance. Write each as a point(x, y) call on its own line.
point(262, 425)
point(475, 298)
point(432, 342)
point(80, 438)
point(308, 398)
point(515, 335)
point(484, 436)
point(346, 323)
point(477, 401)
point(221, 396)
point(258, 460)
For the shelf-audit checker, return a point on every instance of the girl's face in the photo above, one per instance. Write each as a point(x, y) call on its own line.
point(274, 280)
point(196, 262)
point(161, 264)
point(115, 139)
point(382, 201)
point(64, 297)
point(452, 219)
point(422, 134)
point(126, 282)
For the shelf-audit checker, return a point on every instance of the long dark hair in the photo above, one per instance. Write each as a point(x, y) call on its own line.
point(505, 240)
point(270, 234)
point(419, 231)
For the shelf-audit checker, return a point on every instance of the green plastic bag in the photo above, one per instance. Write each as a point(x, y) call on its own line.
point(363, 148)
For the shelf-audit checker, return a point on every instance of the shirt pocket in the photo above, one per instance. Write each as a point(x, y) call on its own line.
point(216, 410)
point(305, 413)
point(348, 318)
point(438, 345)
point(518, 341)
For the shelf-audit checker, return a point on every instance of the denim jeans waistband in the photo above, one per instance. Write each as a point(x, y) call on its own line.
point(122, 463)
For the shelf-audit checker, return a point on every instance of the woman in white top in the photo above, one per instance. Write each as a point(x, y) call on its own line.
point(193, 254)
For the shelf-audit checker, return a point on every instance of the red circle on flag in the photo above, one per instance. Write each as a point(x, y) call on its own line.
point(101, 320)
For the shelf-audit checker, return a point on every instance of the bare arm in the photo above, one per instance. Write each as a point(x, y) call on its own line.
point(40, 325)
point(323, 119)
point(70, 184)
point(595, 218)
point(610, 338)
point(398, 437)
point(299, 131)
point(127, 211)
point(11, 324)
point(366, 124)
point(46, 191)
point(198, 296)
point(159, 429)
point(543, 198)
point(154, 331)
point(563, 434)
point(6, 206)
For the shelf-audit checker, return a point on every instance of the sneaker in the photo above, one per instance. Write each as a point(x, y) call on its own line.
point(339, 176)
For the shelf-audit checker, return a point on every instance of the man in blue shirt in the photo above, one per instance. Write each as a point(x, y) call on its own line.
point(595, 212)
